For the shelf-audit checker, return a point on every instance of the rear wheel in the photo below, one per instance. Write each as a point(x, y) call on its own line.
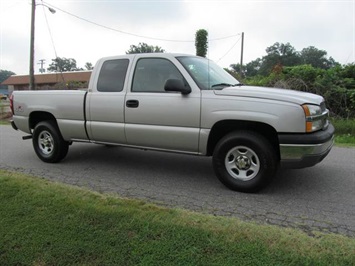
point(245, 161)
point(48, 143)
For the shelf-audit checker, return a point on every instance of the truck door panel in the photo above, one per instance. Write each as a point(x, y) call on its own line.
point(105, 107)
point(158, 119)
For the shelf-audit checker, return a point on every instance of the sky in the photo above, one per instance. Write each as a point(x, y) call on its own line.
point(87, 30)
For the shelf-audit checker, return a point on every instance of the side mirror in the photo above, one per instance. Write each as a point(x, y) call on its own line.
point(177, 85)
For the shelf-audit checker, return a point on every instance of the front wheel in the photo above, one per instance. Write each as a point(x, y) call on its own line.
point(48, 143)
point(245, 161)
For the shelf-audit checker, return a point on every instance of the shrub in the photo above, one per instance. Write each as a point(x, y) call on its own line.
point(336, 85)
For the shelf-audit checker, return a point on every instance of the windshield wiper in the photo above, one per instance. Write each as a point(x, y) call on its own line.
point(223, 85)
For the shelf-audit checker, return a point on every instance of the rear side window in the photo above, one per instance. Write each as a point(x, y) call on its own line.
point(112, 75)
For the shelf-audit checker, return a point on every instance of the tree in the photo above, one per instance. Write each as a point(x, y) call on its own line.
point(316, 58)
point(281, 49)
point(4, 74)
point(144, 48)
point(62, 64)
point(89, 66)
point(348, 71)
point(251, 69)
point(201, 42)
point(279, 55)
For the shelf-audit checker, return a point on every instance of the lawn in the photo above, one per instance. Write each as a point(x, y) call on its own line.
point(344, 131)
point(45, 223)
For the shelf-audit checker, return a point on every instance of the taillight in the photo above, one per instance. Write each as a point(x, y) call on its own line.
point(12, 103)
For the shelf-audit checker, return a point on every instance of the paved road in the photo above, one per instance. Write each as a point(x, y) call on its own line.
point(321, 198)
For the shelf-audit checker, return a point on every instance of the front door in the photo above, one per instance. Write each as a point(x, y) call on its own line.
point(158, 119)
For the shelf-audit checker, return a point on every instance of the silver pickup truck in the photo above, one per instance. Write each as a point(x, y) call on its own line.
point(185, 104)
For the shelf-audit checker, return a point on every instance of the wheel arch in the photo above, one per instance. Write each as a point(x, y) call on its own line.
point(40, 116)
point(224, 127)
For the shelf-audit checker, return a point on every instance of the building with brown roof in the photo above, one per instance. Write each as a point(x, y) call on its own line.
point(64, 80)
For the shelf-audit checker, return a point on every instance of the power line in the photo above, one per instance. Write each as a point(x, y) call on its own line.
point(133, 34)
point(230, 49)
point(50, 34)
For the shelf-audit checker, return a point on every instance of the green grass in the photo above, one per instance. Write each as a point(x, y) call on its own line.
point(344, 131)
point(4, 122)
point(44, 223)
point(344, 126)
point(345, 140)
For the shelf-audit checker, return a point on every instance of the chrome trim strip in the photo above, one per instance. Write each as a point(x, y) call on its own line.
point(313, 118)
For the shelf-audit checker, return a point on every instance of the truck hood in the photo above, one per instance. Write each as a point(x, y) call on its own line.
point(284, 95)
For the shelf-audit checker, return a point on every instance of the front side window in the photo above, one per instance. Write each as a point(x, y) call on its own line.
point(207, 74)
point(151, 74)
point(112, 75)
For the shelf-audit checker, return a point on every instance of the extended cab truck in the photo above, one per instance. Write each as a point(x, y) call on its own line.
point(180, 103)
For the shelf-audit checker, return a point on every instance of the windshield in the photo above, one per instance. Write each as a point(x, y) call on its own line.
point(207, 74)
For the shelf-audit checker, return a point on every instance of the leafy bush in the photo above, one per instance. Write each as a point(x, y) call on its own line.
point(340, 102)
point(336, 85)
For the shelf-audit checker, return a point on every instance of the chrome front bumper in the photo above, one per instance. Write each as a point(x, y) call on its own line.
point(301, 155)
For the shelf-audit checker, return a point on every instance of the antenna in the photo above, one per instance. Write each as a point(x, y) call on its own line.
point(241, 55)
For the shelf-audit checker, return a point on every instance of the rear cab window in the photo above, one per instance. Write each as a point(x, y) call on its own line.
point(112, 75)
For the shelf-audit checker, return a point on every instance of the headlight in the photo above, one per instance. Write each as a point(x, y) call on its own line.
point(316, 118)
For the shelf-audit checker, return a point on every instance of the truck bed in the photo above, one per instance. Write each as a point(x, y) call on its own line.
point(67, 106)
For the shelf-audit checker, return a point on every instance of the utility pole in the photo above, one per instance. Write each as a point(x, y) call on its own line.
point(32, 46)
point(32, 41)
point(42, 62)
point(241, 55)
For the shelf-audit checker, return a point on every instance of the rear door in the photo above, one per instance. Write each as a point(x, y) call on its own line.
point(158, 119)
point(105, 106)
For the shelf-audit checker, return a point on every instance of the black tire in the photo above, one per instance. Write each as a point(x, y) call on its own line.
point(48, 143)
point(245, 161)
